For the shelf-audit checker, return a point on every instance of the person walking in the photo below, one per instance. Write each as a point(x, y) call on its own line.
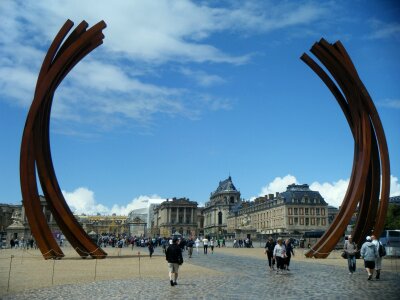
point(212, 245)
point(150, 246)
point(197, 243)
point(279, 255)
point(269, 250)
point(350, 248)
point(378, 259)
point(205, 245)
point(289, 253)
point(189, 246)
point(369, 254)
point(174, 257)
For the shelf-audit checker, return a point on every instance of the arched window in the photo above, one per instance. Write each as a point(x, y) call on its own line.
point(219, 218)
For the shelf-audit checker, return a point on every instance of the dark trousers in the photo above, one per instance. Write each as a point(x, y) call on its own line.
point(287, 261)
point(270, 259)
point(280, 262)
point(205, 249)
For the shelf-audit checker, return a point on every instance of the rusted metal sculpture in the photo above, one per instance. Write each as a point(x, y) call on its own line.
point(371, 157)
point(35, 147)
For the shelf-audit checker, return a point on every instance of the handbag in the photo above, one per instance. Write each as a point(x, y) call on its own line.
point(344, 254)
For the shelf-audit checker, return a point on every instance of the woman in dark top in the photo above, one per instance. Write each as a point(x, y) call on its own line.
point(289, 252)
point(269, 250)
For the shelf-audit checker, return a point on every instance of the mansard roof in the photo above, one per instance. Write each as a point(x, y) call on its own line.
point(298, 192)
point(225, 186)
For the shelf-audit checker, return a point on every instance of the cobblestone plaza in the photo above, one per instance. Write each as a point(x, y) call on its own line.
point(232, 276)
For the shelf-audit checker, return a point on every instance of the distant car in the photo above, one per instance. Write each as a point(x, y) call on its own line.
point(390, 238)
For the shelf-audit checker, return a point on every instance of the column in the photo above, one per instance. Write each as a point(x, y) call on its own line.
point(191, 216)
point(184, 215)
point(23, 217)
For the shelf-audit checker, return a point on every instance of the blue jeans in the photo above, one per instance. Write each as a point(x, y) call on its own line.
point(351, 261)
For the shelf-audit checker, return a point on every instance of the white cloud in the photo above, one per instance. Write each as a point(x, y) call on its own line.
point(394, 186)
point(390, 103)
point(332, 192)
point(18, 84)
point(382, 30)
point(136, 203)
point(279, 184)
point(202, 78)
point(82, 200)
point(140, 37)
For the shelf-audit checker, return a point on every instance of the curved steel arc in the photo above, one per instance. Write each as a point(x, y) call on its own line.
point(35, 145)
point(371, 157)
point(370, 149)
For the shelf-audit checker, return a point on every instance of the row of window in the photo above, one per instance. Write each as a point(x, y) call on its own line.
point(292, 221)
point(306, 211)
point(307, 221)
point(269, 214)
point(306, 200)
point(278, 223)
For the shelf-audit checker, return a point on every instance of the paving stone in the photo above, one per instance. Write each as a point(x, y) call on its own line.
point(242, 278)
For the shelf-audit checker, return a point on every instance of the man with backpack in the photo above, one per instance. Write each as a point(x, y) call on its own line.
point(381, 253)
point(175, 259)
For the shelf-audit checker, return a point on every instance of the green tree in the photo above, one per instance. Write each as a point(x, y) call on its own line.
point(393, 217)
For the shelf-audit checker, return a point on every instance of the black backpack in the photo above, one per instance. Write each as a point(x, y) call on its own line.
point(381, 250)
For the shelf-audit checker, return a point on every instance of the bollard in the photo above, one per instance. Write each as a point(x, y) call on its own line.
point(9, 274)
point(22, 255)
point(95, 270)
point(139, 263)
point(52, 276)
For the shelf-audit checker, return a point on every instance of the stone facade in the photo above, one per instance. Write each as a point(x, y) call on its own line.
point(176, 216)
point(223, 200)
point(296, 210)
point(18, 227)
point(137, 223)
point(6, 211)
point(98, 224)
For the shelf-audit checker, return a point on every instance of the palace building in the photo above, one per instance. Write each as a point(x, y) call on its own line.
point(296, 210)
point(223, 200)
point(175, 217)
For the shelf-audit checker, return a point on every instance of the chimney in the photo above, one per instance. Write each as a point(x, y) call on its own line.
point(271, 196)
point(277, 194)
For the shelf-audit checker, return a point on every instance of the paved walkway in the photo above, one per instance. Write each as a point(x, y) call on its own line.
point(240, 278)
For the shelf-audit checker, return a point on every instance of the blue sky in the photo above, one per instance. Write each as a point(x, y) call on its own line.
point(183, 94)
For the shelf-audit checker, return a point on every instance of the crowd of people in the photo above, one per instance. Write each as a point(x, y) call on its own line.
point(22, 243)
point(279, 252)
point(371, 252)
point(246, 243)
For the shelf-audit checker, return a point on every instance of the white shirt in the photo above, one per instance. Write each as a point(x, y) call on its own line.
point(280, 250)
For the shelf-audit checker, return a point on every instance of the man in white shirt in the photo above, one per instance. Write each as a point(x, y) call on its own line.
point(205, 245)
